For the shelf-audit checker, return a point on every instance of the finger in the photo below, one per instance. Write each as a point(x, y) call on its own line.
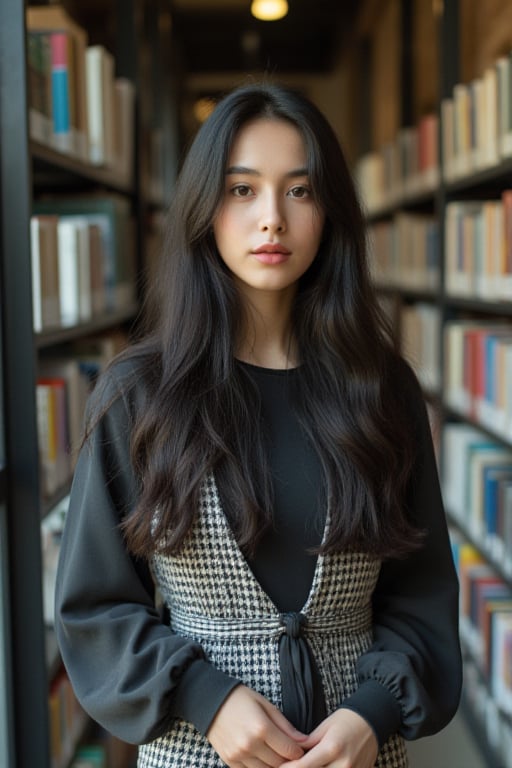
point(283, 724)
point(265, 756)
point(281, 744)
point(256, 763)
point(313, 759)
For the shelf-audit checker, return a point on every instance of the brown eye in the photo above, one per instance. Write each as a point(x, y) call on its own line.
point(299, 192)
point(241, 190)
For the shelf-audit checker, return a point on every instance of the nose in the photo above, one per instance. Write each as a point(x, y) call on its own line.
point(272, 217)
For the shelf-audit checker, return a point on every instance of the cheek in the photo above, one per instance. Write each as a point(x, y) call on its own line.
point(224, 226)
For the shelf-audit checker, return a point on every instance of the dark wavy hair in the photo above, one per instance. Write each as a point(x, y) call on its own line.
point(201, 413)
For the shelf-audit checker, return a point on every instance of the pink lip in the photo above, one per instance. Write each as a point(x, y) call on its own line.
point(272, 248)
point(271, 253)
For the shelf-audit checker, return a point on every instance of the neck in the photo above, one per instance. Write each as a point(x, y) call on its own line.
point(266, 338)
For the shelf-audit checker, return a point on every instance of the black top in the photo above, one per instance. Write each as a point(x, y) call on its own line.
point(133, 675)
point(282, 564)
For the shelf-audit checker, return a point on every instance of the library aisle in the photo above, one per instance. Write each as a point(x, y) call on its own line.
point(454, 747)
point(428, 134)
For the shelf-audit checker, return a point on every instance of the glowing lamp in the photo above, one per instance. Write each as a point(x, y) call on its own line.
point(269, 10)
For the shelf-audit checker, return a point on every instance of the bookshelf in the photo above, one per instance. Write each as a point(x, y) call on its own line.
point(462, 307)
point(35, 171)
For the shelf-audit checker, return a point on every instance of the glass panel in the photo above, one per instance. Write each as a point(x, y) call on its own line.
point(6, 757)
point(2, 429)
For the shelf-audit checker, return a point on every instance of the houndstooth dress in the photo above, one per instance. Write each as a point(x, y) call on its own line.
point(214, 598)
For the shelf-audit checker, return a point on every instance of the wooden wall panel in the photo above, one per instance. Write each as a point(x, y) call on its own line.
point(486, 33)
point(386, 100)
point(425, 59)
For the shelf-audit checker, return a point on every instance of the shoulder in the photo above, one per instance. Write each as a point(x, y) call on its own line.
point(127, 383)
point(409, 397)
point(404, 381)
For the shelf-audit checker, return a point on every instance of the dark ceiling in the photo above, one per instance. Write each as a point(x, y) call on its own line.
point(215, 37)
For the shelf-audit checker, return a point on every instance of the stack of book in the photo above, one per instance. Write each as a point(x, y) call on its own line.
point(62, 388)
point(478, 372)
point(478, 248)
point(477, 489)
point(477, 122)
point(76, 103)
point(420, 329)
point(83, 259)
point(486, 624)
point(403, 169)
point(404, 253)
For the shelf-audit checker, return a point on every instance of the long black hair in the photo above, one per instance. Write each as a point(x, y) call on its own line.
point(201, 415)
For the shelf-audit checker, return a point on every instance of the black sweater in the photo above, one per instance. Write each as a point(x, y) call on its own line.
point(134, 675)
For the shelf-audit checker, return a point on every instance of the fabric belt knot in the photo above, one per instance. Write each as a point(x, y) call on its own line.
point(300, 683)
point(292, 623)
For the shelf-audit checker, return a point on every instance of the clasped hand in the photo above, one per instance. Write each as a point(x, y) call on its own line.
point(249, 732)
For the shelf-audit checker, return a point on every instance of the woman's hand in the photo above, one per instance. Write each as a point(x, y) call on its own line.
point(342, 740)
point(249, 732)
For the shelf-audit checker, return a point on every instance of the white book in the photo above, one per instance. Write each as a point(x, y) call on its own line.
point(69, 271)
point(83, 256)
point(503, 71)
point(455, 439)
point(501, 656)
point(490, 118)
point(100, 104)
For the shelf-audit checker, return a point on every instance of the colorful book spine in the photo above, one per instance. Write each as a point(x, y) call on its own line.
point(477, 489)
point(61, 98)
point(478, 365)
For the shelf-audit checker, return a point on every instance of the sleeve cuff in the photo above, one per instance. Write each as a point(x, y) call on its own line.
point(378, 707)
point(201, 691)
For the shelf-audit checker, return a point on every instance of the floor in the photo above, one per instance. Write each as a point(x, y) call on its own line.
point(453, 747)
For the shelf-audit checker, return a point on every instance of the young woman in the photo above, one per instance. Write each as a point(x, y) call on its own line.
point(261, 465)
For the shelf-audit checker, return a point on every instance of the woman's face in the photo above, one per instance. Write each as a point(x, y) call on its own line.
point(268, 228)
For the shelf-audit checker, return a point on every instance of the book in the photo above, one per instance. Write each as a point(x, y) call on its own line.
point(72, 271)
point(45, 272)
point(125, 129)
point(112, 215)
point(60, 46)
point(101, 104)
point(504, 286)
point(48, 437)
point(77, 391)
point(501, 660)
point(70, 56)
point(39, 87)
point(504, 104)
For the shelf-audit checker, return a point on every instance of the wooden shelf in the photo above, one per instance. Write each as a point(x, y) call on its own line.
point(61, 335)
point(495, 308)
point(497, 175)
point(51, 165)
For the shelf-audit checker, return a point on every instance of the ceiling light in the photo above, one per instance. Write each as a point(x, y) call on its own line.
point(269, 10)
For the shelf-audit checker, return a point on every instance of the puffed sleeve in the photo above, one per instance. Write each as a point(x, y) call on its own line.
point(130, 672)
point(410, 678)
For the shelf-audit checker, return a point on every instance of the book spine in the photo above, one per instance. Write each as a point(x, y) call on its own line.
point(60, 92)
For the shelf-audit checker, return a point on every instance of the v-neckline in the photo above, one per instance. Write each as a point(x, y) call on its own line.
point(242, 560)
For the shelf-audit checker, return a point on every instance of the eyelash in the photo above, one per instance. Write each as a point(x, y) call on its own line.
point(305, 191)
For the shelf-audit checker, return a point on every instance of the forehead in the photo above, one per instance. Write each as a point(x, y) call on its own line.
point(268, 140)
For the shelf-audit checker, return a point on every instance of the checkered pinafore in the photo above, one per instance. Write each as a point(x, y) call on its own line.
point(214, 598)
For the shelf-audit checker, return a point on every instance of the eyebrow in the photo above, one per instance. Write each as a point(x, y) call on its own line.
point(242, 170)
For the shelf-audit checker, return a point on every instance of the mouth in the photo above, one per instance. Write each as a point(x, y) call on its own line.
point(272, 248)
point(271, 253)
